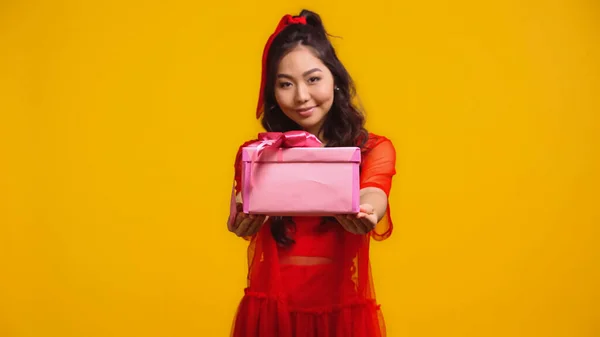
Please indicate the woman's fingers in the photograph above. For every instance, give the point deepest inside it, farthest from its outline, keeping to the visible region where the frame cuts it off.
(360, 225)
(356, 224)
(347, 222)
(236, 223)
(256, 224)
(248, 224)
(342, 221)
(367, 208)
(239, 216)
(366, 224)
(243, 226)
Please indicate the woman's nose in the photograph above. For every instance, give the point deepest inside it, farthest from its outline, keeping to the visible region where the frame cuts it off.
(302, 94)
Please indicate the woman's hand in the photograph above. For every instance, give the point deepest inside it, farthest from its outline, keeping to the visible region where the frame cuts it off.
(360, 223)
(247, 224)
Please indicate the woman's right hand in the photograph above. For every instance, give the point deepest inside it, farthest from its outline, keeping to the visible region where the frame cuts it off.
(247, 224)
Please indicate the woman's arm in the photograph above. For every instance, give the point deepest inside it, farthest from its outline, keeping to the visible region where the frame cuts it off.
(376, 198)
(378, 168)
(373, 205)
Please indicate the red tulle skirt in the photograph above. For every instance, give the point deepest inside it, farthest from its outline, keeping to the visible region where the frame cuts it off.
(313, 303)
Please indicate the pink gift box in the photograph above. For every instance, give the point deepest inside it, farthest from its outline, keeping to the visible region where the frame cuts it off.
(311, 181)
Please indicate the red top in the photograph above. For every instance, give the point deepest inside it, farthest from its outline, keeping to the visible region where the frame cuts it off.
(321, 285)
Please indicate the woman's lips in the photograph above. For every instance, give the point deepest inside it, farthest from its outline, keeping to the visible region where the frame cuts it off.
(306, 112)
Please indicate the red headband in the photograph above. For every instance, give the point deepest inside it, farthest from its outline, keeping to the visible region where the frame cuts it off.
(284, 22)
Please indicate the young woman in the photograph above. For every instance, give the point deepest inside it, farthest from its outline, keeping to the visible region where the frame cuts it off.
(310, 276)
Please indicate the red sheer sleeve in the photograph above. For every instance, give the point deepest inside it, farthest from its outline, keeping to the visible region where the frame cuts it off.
(238, 171)
(238, 167)
(377, 170)
(237, 184)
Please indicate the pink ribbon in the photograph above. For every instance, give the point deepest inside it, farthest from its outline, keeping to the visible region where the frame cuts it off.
(284, 139)
(269, 140)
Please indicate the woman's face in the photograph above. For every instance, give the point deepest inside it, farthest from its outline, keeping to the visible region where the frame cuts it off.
(304, 88)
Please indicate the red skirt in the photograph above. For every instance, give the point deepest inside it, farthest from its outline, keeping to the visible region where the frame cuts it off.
(314, 302)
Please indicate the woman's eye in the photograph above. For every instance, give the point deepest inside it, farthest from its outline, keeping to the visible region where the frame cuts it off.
(284, 84)
(314, 79)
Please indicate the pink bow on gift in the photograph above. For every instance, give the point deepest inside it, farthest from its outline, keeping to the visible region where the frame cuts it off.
(294, 138)
(274, 140)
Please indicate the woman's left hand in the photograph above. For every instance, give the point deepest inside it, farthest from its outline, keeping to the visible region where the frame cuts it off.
(360, 223)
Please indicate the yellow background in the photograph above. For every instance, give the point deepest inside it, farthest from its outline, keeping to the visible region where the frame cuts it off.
(120, 120)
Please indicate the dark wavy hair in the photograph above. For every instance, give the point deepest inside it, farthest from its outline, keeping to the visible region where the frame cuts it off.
(344, 123)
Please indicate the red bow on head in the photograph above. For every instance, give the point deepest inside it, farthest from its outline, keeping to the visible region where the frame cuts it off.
(285, 21)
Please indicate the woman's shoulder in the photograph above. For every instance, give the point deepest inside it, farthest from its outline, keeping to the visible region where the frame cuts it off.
(248, 142)
(238, 155)
(376, 140)
(378, 137)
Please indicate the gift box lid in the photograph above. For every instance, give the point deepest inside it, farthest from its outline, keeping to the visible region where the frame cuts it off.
(304, 154)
